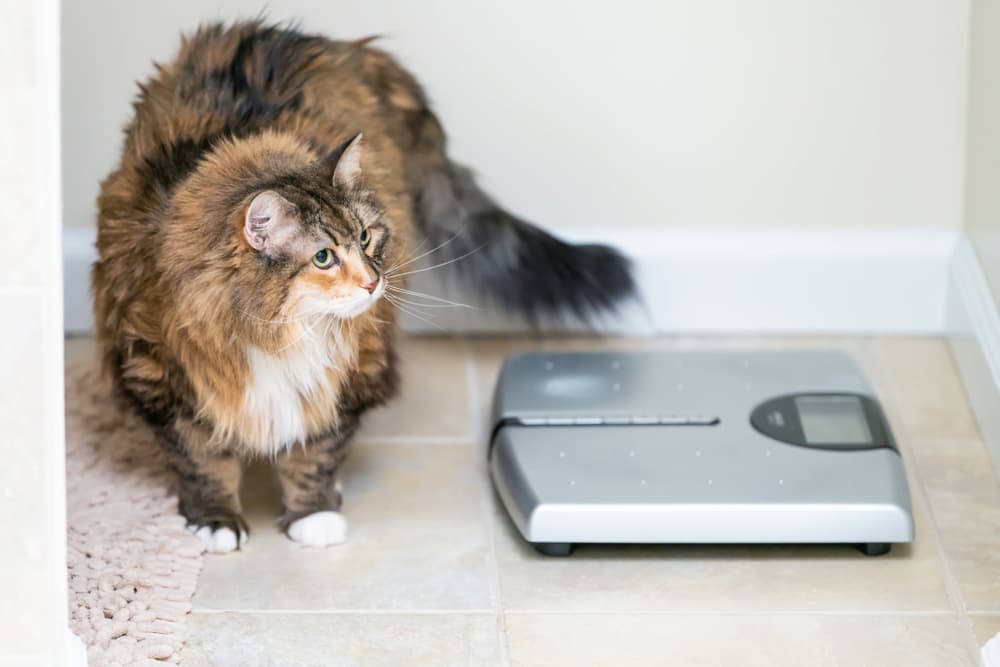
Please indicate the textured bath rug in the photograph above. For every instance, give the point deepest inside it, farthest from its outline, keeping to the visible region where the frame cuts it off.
(132, 564)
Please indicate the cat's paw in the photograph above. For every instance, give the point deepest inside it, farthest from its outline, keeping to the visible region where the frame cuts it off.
(220, 533)
(319, 529)
(219, 540)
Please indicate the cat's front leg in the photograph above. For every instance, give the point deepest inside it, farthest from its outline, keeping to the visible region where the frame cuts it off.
(208, 487)
(310, 491)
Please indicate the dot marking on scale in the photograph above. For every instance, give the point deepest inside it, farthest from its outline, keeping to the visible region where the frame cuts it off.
(549, 365)
(616, 387)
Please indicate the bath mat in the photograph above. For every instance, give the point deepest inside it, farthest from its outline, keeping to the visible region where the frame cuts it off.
(132, 564)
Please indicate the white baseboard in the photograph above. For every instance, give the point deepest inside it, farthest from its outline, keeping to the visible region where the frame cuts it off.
(759, 280)
(974, 333)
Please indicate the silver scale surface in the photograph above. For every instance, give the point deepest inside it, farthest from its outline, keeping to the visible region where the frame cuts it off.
(636, 447)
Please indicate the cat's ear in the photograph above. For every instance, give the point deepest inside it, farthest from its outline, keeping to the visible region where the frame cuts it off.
(270, 222)
(347, 172)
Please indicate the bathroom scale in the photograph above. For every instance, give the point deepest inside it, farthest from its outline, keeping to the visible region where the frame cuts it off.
(695, 447)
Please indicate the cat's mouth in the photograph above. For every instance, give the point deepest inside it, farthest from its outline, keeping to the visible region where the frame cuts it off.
(358, 304)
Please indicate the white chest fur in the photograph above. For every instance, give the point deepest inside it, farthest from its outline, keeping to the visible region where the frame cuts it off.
(282, 383)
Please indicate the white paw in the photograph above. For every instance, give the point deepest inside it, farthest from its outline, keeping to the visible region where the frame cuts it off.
(219, 541)
(320, 529)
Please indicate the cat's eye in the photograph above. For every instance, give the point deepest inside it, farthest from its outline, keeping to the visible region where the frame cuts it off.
(366, 237)
(324, 259)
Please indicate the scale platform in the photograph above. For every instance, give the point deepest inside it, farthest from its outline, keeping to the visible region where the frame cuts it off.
(696, 447)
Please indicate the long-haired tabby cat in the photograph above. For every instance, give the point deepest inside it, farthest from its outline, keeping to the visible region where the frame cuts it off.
(271, 187)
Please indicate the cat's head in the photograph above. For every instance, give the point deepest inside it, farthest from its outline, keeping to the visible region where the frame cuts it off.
(269, 233)
(324, 232)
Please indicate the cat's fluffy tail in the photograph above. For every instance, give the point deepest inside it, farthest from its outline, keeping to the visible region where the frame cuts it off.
(514, 263)
(517, 265)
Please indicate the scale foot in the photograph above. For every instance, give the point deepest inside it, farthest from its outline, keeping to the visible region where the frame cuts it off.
(553, 548)
(874, 548)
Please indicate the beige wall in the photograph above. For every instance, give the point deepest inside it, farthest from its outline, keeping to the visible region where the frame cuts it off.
(709, 113)
(982, 205)
(33, 615)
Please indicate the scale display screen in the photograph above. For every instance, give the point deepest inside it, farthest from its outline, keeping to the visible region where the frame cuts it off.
(828, 420)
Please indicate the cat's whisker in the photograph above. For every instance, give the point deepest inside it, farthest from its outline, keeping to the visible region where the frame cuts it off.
(414, 304)
(413, 314)
(395, 300)
(418, 304)
(379, 320)
(344, 333)
(436, 266)
(307, 331)
(423, 319)
(275, 321)
(451, 238)
(424, 295)
(329, 326)
(293, 343)
(398, 262)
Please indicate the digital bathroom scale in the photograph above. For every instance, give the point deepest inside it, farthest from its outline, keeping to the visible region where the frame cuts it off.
(695, 447)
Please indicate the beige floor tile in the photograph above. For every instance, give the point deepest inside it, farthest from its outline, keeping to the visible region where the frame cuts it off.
(721, 578)
(417, 540)
(775, 640)
(341, 640)
(986, 628)
(433, 399)
(928, 393)
(965, 498)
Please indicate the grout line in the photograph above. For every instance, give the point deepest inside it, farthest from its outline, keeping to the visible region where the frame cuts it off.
(478, 430)
(888, 613)
(950, 580)
(352, 612)
(479, 433)
(415, 440)
(472, 393)
(730, 612)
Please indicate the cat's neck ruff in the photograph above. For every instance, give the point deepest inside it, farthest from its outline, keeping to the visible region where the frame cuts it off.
(286, 389)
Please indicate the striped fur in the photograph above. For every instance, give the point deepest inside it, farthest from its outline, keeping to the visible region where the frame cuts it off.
(243, 161)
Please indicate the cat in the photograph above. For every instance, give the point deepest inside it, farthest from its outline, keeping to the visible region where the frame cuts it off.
(273, 188)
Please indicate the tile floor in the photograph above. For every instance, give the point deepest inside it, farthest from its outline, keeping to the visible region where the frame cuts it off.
(434, 574)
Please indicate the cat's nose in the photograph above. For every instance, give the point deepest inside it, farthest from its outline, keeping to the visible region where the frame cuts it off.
(371, 286)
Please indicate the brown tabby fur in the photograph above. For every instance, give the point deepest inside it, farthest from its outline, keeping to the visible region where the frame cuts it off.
(176, 294)
(243, 160)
